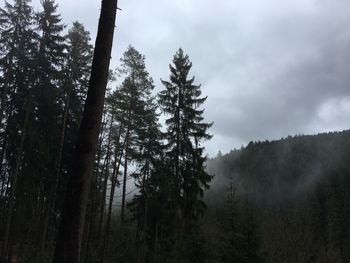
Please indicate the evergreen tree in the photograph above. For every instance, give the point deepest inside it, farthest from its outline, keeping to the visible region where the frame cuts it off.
(240, 238)
(181, 101)
(18, 47)
(72, 93)
(77, 68)
(231, 238)
(131, 104)
(74, 85)
(250, 243)
(137, 132)
(48, 76)
(51, 57)
(144, 204)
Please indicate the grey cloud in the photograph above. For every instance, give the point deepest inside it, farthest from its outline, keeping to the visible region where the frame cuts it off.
(270, 68)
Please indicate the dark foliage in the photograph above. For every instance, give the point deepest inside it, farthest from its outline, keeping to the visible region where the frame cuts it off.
(299, 189)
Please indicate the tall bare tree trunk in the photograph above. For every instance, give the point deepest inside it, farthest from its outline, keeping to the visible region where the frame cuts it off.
(125, 177)
(57, 170)
(105, 182)
(91, 216)
(70, 234)
(60, 150)
(112, 191)
(14, 180)
(2, 116)
(3, 176)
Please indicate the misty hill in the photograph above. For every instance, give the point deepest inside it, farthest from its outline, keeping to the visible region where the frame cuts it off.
(287, 168)
(300, 189)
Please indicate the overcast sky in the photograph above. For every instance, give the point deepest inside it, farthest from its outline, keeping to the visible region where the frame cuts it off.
(270, 68)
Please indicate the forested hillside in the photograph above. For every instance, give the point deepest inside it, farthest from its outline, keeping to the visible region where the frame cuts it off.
(104, 164)
(298, 191)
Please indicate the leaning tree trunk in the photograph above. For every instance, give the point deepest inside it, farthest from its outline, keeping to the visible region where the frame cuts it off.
(73, 216)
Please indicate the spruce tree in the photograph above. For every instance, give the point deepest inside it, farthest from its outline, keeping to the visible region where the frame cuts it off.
(77, 68)
(18, 47)
(50, 62)
(186, 130)
(72, 93)
(49, 74)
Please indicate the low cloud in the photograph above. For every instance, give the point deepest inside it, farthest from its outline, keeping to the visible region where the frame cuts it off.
(270, 68)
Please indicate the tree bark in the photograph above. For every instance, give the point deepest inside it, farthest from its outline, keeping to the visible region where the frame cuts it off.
(60, 151)
(105, 182)
(14, 181)
(2, 116)
(111, 196)
(70, 234)
(57, 170)
(122, 214)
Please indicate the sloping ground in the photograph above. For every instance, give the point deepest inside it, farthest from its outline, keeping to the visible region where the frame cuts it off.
(300, 188)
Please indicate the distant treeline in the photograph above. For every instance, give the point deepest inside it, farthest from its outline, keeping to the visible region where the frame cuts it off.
(299, 190)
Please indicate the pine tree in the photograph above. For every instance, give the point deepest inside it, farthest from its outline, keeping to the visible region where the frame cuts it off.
(131, 101)
(143, 206)
(133, 109)
(181, 101)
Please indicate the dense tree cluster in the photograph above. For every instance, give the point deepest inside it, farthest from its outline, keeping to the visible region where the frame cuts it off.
(43, 78)
(145, 201)
(280, 201)
(297, 191)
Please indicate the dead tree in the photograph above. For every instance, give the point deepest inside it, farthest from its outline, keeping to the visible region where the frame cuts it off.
(68, 243)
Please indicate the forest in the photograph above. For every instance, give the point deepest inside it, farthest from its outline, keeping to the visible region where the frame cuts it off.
(281, 201)
(100, 165)
(44, 82)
